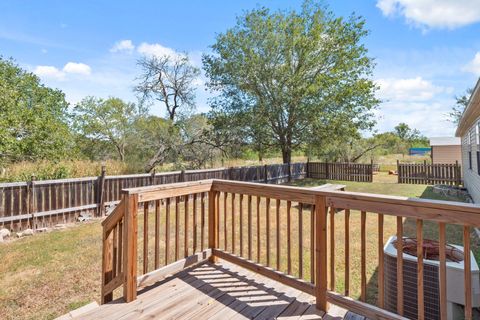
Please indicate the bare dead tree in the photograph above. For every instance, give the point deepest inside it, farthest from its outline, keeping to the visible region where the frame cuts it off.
(169, 80)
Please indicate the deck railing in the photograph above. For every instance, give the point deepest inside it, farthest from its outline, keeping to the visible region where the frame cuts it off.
(289, 234)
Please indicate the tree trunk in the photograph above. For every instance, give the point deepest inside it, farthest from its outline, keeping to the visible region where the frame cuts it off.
(286, 154)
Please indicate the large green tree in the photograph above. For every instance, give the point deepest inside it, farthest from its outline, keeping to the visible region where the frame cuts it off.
(298, 76)
(105, 123)
(34, 118)
(461, 103)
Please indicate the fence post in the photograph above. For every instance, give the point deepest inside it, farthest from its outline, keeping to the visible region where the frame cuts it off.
(230, 173)
(371, 170)
(398, 171)
(289, 172)
(182, 176)
(212, 225)
(321, 253)
(101, 192)
(266, 173)
(425, 172)
(306, 168)
(130, 247)
(31, 200)
(152, 176)
(327, 171)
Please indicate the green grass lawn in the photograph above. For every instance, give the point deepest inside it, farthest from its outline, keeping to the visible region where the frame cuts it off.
(49, 274)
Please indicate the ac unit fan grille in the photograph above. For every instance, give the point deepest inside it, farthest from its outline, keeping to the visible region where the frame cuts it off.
(410, 304)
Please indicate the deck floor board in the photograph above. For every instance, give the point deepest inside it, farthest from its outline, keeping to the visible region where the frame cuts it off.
(214, 291)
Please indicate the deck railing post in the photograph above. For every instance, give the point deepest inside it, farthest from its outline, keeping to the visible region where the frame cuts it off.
(321, 253)
(130, 247)
(212, 224)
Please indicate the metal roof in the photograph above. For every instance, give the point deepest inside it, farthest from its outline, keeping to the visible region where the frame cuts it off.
(445, 141)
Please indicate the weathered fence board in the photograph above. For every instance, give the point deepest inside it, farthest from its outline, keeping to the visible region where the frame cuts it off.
(340, 171)
(37, 204)
(423, 173)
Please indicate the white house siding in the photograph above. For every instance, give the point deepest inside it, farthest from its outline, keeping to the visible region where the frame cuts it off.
(470, 176)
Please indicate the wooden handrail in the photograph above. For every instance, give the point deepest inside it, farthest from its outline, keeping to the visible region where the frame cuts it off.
(321, 202)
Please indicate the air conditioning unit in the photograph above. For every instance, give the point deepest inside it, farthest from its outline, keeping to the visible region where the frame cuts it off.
(455, 282)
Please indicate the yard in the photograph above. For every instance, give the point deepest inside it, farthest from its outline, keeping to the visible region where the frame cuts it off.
(49, 274)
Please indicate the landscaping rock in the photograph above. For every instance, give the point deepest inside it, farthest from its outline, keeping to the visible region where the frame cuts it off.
(1, 238)
(5, 233)
(60, 226)
(28, 232)
(19, 234)
(43, 229)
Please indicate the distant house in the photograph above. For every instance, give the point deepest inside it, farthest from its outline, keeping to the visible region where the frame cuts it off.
(468, 131)
(446, 150)
(418, 151)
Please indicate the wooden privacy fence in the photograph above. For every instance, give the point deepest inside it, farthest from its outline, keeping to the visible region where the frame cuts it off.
(38, 204)
(340, 171)
(423, 173)
(307, 239)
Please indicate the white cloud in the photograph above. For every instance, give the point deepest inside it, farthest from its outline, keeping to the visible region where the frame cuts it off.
(77, 68)
(474, 65)
(53, 73)
(123, 46)
(49, 72)
(449, 14)
(156, 49)
(410, 89)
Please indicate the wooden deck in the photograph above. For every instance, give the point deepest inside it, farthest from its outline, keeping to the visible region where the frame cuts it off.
(215, 291)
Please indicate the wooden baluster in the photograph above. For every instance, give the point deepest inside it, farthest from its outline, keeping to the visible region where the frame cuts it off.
(258, 229)
(186, 235)
(241, 224)
(225, 233)
(157, 234)
(177, 229)
(363, 272)
(467, 273)
(400, 266)
(114, 251)
(233, 222)
(202, 222)
(380, 262)
(442, 274)
(278, 232)
(332, 248)
(145, 237)
(300, 240)
(107, 265)
(249, 227)
(212, 223)
(167, 230)
(195, 226)
(321, 253)
(120, 247)
(312, 244)
(289, 237)
(347, 252)
(267, 213)
(217, 218)
(420, 296)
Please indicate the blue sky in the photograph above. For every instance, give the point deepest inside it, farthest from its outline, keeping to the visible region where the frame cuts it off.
(426, 51)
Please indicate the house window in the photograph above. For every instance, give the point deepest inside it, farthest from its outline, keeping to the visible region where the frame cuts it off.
(477, 133)
(470, 160)
(478, 162)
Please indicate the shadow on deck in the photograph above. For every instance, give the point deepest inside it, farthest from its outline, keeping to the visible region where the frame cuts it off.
(215, 291)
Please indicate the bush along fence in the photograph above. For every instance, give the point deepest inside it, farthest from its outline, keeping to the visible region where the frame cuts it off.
(340, 171)
(40, 204)
(423, 173)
